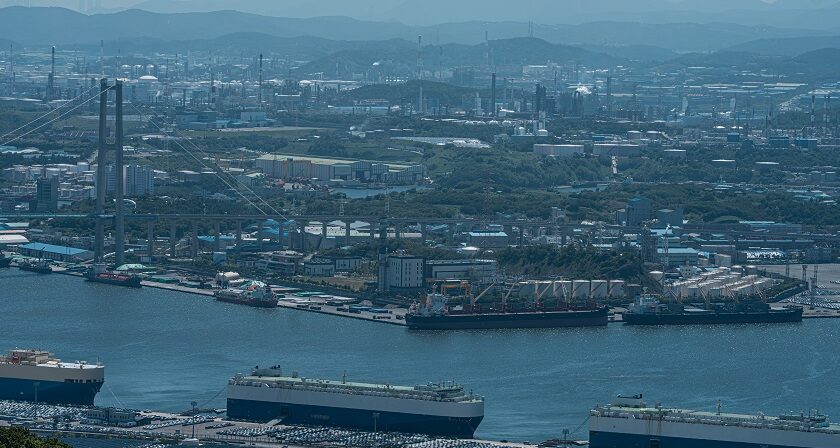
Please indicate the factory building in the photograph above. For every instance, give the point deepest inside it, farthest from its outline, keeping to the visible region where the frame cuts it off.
(559, 150)
(401, 273)
(58, 253)
(299, 167)
(477, 271)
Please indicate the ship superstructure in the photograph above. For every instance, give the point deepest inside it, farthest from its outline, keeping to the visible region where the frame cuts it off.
(252, 293)
(37, 375)
(629, 422)
(439, 409)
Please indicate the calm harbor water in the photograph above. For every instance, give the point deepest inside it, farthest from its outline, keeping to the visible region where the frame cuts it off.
(163, 350)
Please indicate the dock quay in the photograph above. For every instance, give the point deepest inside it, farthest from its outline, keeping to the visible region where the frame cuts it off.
(73, 425)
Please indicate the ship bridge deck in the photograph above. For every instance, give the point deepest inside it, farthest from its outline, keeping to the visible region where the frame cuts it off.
(435, 392)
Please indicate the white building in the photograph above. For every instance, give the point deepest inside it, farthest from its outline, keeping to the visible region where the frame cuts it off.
(401, 272)
(559, 150)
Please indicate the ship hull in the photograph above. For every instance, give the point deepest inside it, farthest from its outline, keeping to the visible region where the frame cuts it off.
(360, 419)
(255, 304)
(133, 283)
(49, 392)
(549, 319)
(785, 316)
(36, 269)
(610, 440)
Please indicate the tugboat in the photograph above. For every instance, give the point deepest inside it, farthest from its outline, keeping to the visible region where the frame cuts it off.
(648, 310)
(253, 293)
(99, 273)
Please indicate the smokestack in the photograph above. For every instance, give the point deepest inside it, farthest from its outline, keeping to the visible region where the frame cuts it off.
(12, 67)
(419, 57)
(259, 94)
(51, 78)
(493, 95)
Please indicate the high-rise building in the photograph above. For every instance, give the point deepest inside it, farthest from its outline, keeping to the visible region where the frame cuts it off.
(46, 194)
(139, 180)
(638, 211)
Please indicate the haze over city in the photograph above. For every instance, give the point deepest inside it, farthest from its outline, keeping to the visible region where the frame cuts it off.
(419, 223)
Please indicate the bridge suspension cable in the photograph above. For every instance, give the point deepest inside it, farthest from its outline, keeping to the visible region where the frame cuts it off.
(49, 122)
(216, 172)
(50, 112)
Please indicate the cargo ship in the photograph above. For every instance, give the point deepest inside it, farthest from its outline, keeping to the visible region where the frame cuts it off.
(436, 314)
(253, 293)
(442, 409)
(99, 274)
(629, 422)
(648, 310)
(37, 375)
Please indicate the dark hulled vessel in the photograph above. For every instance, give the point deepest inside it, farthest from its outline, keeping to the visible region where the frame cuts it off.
(36, 375)
(647, 310)
(99, 274)
(435, 314)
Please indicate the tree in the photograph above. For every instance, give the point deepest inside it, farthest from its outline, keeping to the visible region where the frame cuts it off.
(17, 437)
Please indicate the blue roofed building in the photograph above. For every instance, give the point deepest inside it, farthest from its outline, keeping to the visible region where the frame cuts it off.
(57, 253)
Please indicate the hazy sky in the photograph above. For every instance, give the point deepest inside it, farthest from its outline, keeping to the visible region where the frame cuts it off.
(438, 11)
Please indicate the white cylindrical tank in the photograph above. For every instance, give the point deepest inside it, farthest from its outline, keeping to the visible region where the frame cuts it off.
(657, 276)
(617, 289)
(564, 289)
(526, 290)
(599, 289)
(580, 289)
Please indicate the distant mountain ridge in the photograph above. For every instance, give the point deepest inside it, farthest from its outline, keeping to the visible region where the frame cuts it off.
(427, 12)
(59, 26)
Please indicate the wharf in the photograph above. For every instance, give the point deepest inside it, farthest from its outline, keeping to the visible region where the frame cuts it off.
(70, 425)
(395, 316)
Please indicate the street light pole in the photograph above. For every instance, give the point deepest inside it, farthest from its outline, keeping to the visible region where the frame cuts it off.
(194, 404)
(36, 384)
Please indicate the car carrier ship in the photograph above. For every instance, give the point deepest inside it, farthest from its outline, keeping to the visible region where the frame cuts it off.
(648, 310)
(630, 423)
(444, 409)
(436, 314)
(37, 375)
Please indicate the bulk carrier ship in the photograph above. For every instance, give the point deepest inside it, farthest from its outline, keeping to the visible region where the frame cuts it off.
(629, 423)
(36, 375)
(436, 314)
(648, 310)
(435, 409)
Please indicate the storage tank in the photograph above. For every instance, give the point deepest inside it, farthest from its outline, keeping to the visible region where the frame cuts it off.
(617, 289)
(526, 290)
(545, 290)
(693, 292)
(580, 289)
(657, 276)
(599, 289)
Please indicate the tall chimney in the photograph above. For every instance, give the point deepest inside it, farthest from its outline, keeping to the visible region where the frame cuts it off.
(493, 95)
(260, 92)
